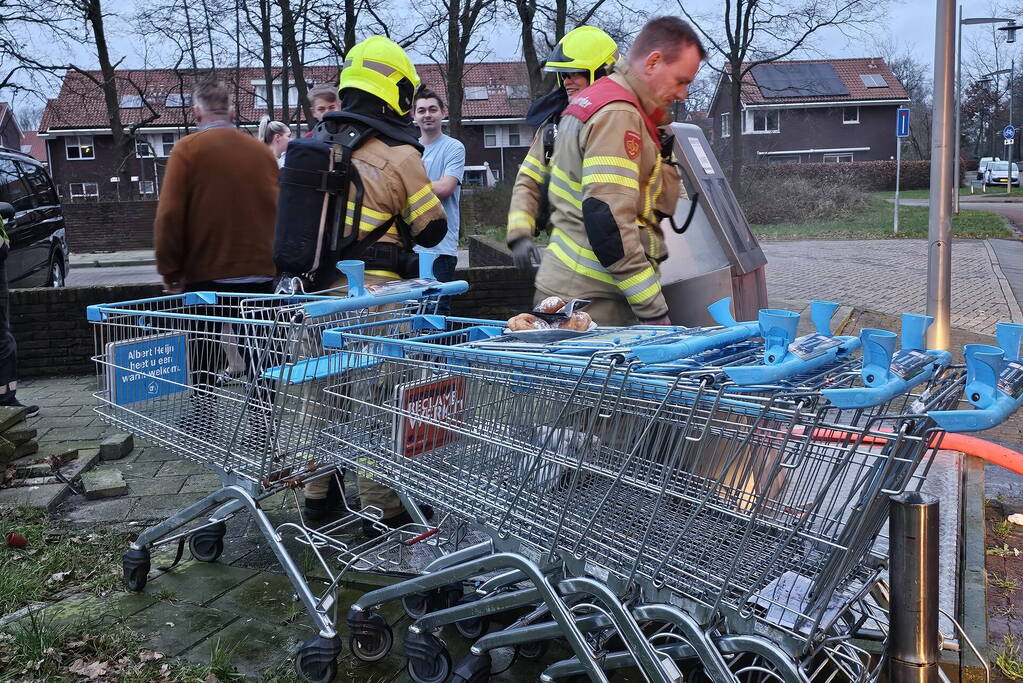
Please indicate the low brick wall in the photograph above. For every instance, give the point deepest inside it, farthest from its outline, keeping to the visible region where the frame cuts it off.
(54, 338)
(109, 226)
(485, 251)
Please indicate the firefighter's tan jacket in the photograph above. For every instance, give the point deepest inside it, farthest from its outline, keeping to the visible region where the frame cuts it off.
(607, 183)
(529, 183)
(396, 184)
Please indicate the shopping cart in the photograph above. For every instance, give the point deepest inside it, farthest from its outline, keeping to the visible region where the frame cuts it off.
(750, 500)
(164, 372)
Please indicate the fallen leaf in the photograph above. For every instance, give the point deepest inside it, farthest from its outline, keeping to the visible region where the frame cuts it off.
(211, 678)
(1016, 519)
(149, 656)
(58, 577)
(92, 670)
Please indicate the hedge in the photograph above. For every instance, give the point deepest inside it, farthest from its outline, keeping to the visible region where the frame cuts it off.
(870, 176)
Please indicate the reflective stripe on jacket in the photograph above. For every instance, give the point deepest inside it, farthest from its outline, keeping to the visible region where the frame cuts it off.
(607, 182)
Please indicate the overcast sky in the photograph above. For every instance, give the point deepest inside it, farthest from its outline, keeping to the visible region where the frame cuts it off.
(910, 25)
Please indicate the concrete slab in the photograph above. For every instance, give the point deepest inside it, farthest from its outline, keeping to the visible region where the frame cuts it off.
(199, 583)
(161, 505)
(20, 435)
(47, 497)
(89, 608)
(266, 597)
(104, 483)
(138, 469)
(80, 511)
(200, 483)
(10, 416)
(255, 647)
(156, 485)
(174, 627)
(179, 467)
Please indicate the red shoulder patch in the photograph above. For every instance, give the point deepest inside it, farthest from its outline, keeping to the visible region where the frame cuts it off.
(633, 143)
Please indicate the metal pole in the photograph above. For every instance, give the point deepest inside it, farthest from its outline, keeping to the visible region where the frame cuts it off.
(898, 173)
(1008, 182)
(959, 105)
(939, 228)
(913, 570)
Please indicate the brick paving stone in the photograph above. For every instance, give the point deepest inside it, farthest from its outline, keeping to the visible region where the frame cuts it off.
(47, 496)
(138, 469)
(79, 511)
(162, 505)
(255, 647)
(89, 608)
(116, 446)
(153, 454)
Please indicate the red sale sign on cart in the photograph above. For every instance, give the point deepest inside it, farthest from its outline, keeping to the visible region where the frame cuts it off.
(425, 407)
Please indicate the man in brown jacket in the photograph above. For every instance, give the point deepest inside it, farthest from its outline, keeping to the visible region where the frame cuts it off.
(214, 226)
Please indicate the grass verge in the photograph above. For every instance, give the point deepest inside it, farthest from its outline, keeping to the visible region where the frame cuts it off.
(55, 560)
(36, 648)
(992, 191)
(875, 222)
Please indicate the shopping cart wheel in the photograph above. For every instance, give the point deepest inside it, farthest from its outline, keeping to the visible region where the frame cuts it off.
(534, 650)
(207, 544)
(316, 660)
(135, 564)
(472, 669)
(416, 605)
(474, 627)
(428, 658)
(371, 636)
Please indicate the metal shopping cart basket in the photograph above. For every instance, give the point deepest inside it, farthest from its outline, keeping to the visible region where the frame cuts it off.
(164, 372)
(771, 534)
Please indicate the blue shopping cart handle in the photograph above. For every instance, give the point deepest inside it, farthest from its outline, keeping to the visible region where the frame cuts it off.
(886, 374)
(334, 305)
(790, 366)
(994, 383)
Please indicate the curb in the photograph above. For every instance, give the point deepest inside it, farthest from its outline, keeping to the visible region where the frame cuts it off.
(1015, 312)
(111, 264)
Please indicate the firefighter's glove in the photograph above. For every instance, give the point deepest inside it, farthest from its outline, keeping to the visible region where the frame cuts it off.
(525, 255)
(663, 320)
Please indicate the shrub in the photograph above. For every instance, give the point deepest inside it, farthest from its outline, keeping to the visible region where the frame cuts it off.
(485, 207)
(794, 199)
(869, 176)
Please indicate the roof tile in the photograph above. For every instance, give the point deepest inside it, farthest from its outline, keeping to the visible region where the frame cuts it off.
(848, 70)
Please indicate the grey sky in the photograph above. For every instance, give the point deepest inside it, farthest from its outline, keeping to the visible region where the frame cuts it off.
(909, 24)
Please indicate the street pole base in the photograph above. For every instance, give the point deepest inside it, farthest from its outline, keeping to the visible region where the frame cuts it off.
(905, 672)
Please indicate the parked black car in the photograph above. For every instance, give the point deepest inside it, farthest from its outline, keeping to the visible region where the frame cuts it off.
(39, 253)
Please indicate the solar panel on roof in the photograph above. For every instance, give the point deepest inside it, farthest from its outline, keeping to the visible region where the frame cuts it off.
(798, 80)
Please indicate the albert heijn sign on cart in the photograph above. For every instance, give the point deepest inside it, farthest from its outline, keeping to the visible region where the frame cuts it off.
(424, 407)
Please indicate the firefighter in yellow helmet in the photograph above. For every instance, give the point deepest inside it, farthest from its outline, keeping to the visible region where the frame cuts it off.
(358, 190)
(612, 180)
(582, 56)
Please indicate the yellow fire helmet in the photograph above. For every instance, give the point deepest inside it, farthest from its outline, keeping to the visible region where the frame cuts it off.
(380, 67)
(585, 49)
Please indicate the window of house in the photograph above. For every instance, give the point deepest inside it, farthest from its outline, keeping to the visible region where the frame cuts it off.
(517, 92)
(278, 94)
(763, 121)
(726, 124)
(147, 187)
(490, 138)
(131, 101)
(837, 158)
(143, 150)
(514, 137)
(83, 190)
(850, 114)
(79, 147)
(476, 92)
(177, 99)
(167, 141)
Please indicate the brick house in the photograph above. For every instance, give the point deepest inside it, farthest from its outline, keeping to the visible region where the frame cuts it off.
(85, 166)
(829, 110)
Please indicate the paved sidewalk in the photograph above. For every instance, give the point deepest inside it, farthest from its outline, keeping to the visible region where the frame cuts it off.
(890, 276)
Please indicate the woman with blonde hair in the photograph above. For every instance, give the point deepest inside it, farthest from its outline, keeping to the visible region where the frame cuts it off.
(275, 135)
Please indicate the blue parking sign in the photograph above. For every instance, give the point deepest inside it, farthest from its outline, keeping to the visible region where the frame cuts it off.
(147, 368)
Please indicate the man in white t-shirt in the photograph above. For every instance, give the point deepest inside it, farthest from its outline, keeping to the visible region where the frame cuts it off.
(444, 159)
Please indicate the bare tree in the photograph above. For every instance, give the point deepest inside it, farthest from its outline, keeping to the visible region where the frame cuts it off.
(749, 33)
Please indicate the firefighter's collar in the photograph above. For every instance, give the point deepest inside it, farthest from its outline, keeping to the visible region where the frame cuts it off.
(644, 95)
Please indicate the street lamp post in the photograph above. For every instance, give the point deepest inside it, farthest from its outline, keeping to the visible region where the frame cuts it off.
(1010, 37)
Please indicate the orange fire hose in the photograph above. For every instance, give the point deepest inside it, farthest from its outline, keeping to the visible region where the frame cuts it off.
(970, 445)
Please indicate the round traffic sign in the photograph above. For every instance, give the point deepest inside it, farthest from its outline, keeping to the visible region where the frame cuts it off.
(1009, 132)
